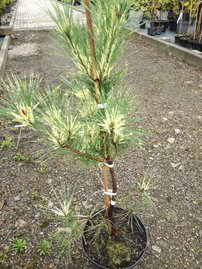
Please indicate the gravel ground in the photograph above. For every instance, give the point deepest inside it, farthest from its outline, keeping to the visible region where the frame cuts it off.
(169, 102)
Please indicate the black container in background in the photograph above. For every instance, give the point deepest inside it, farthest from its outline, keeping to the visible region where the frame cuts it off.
(173, 26)
(152, 31)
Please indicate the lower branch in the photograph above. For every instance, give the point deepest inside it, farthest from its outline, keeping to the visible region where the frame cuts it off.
(81, 154)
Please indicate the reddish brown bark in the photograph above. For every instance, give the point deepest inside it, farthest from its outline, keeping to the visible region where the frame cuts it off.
(93, 51)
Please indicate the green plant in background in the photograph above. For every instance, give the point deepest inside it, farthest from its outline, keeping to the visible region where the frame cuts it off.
(193, 9)
(18, 245)
(190, 7)
(19, 157)
(3, 257)
(2, 8)
(44, 247)
(10, 2)
(6, 143)
(174, 6)
(153, 8)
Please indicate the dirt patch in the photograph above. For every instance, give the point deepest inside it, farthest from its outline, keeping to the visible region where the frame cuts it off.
(23, 50)
(169, 103)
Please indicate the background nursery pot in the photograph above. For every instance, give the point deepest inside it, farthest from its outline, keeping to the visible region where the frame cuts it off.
(99, 246)
(152, 31)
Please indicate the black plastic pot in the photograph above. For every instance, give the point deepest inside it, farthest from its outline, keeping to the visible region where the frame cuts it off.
(173, 26)
(8, 9)
(76, 3)
(162, 24)
(183, 42)
(152, 31)
(159, 30)
(189, 44)
(178, 39)
(143, 232)
(142, 25)
(186, 17)
(197, 46)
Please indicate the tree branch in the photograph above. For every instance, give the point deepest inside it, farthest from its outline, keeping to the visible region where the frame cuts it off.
(81, 154)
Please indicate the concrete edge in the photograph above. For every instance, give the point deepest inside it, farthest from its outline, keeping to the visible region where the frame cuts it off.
(5, 45)
(175, 50)
(4, 55)
(34, 29)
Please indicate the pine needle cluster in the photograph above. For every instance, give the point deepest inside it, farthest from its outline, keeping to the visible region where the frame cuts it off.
(74, 121)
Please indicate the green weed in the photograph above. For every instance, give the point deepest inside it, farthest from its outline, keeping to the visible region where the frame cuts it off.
(43, 170)
(6, 143)
(18, 245)
(19, 157)
(44, 247)
(3, 257)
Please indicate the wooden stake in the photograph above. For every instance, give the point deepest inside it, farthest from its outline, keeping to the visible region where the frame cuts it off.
(107, 199)
(114, 190)
(190, 19)
(195, 26)
(200, 37)
(180, 29)
(199, 22)
(109, 209)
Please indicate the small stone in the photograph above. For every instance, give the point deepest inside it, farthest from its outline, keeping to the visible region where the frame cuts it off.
(174, 165)
(173, 215)
(155, 146)
(77, 209)
(157, 249)
(181, 167)
(169, 198)
(86, 205)
(177, 131)
(167, 146)
(56, 261)
(17, 198)
(162, 243)
(199, 118)
(171, 140)
(37, 215)
(20, 223)
(50, 204)
(189, 82)
(164, 119)
(171, 113)
(200, 232)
